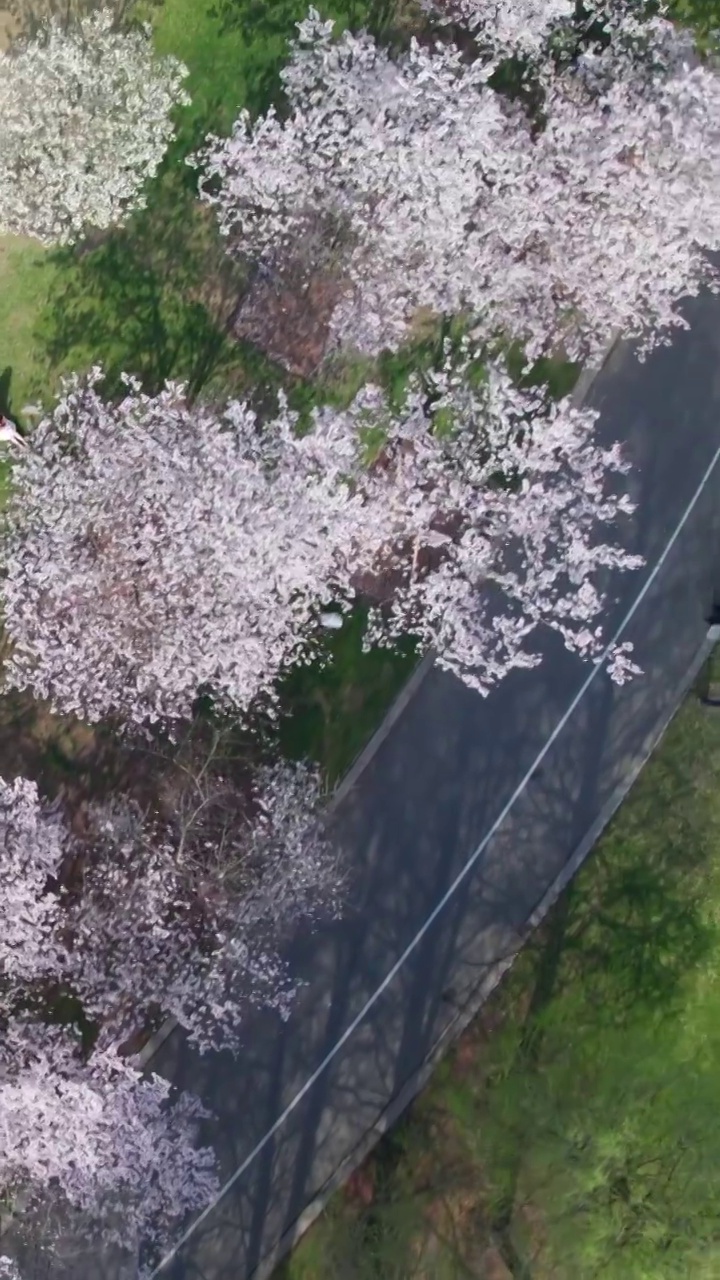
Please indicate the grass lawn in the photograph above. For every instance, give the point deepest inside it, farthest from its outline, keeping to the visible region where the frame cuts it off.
(332, 710)
(217, 61)
(26, 276)
(572, 1133)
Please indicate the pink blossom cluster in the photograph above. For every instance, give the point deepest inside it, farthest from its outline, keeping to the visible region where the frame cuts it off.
(96, 1135)
(493, 496)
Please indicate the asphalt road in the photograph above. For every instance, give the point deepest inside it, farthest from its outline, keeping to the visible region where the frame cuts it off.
(514, 781)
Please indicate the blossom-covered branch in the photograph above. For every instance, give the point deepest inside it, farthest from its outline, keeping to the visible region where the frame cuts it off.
(189, 918)
(413, 185)
(493, 497)
(96, 1136)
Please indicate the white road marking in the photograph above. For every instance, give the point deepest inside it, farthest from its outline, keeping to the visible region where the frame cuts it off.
(460, 877)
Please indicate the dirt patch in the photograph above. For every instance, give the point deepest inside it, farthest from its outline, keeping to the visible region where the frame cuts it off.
(360, 1186)
(288, 317)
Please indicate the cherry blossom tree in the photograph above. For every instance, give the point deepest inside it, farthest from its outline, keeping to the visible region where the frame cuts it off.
(188, 918)
(153, 550)
(86, 119)
(349, 183)
(96, 1137)
(135, 918)
(417, 186)
(79, 1132)
(180, 910)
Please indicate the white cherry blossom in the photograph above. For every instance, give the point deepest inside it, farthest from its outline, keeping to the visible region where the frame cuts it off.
(33, 845)
(493, 499)
(506, 26)
(86, 114)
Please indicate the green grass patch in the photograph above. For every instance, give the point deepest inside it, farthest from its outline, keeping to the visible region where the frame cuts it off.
(235, 49)
(154, 299)
(572, 1134)
(26, 277)
(332, 708)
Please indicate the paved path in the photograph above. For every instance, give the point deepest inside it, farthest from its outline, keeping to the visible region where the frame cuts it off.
(514, 781)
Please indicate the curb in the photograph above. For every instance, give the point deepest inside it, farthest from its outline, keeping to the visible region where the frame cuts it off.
(480, 993)
(582, 387)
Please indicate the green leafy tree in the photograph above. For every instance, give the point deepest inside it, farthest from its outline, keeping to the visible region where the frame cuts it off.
(620, 1151)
